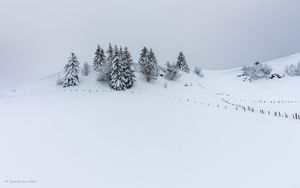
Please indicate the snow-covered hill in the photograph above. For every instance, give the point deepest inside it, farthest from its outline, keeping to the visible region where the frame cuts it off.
(216, 131)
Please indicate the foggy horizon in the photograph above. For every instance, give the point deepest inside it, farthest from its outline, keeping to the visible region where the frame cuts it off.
(37, 37)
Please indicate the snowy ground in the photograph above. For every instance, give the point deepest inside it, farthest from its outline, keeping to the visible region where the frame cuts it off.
(191, 136)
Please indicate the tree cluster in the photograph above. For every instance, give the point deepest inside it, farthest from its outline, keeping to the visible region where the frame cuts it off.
(293, 70)
(256, 71)
(148, 64)
(122, 74)
(115, 66)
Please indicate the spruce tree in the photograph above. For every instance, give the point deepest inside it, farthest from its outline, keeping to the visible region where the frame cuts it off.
(71, 72)
(121, 52)
(86, 69)
(105, 70)
(143, 57)
(116, 53)
(110, 56)
(181, 63)
(148, 64)
(117, 76)
(99, 59)
(129, 71)
(110, 53)
(153, 61)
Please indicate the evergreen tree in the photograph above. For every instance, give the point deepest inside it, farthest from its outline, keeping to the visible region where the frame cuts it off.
(106, 69)
(153, 61)
(148, 64)
(99, 59)
(181, 63)
(129, 70)
(110, 53)
(143, 57)
(86, 69)
(116, 53)
(121, 52)
(117, 76)
(71, 72)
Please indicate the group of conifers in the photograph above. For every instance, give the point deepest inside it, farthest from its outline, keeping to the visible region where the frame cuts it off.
(116, 67)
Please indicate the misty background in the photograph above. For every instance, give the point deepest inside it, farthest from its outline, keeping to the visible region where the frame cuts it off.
(37, 36)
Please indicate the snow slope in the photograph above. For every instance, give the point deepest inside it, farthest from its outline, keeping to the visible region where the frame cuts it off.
(194, 133)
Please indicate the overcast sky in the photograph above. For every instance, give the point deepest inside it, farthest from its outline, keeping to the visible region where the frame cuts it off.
(36, 36)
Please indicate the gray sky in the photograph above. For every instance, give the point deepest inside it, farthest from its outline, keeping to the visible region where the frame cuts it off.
(36, 36)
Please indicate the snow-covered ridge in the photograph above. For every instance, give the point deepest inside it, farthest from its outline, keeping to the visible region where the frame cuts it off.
(292, 59)
(278, 65)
